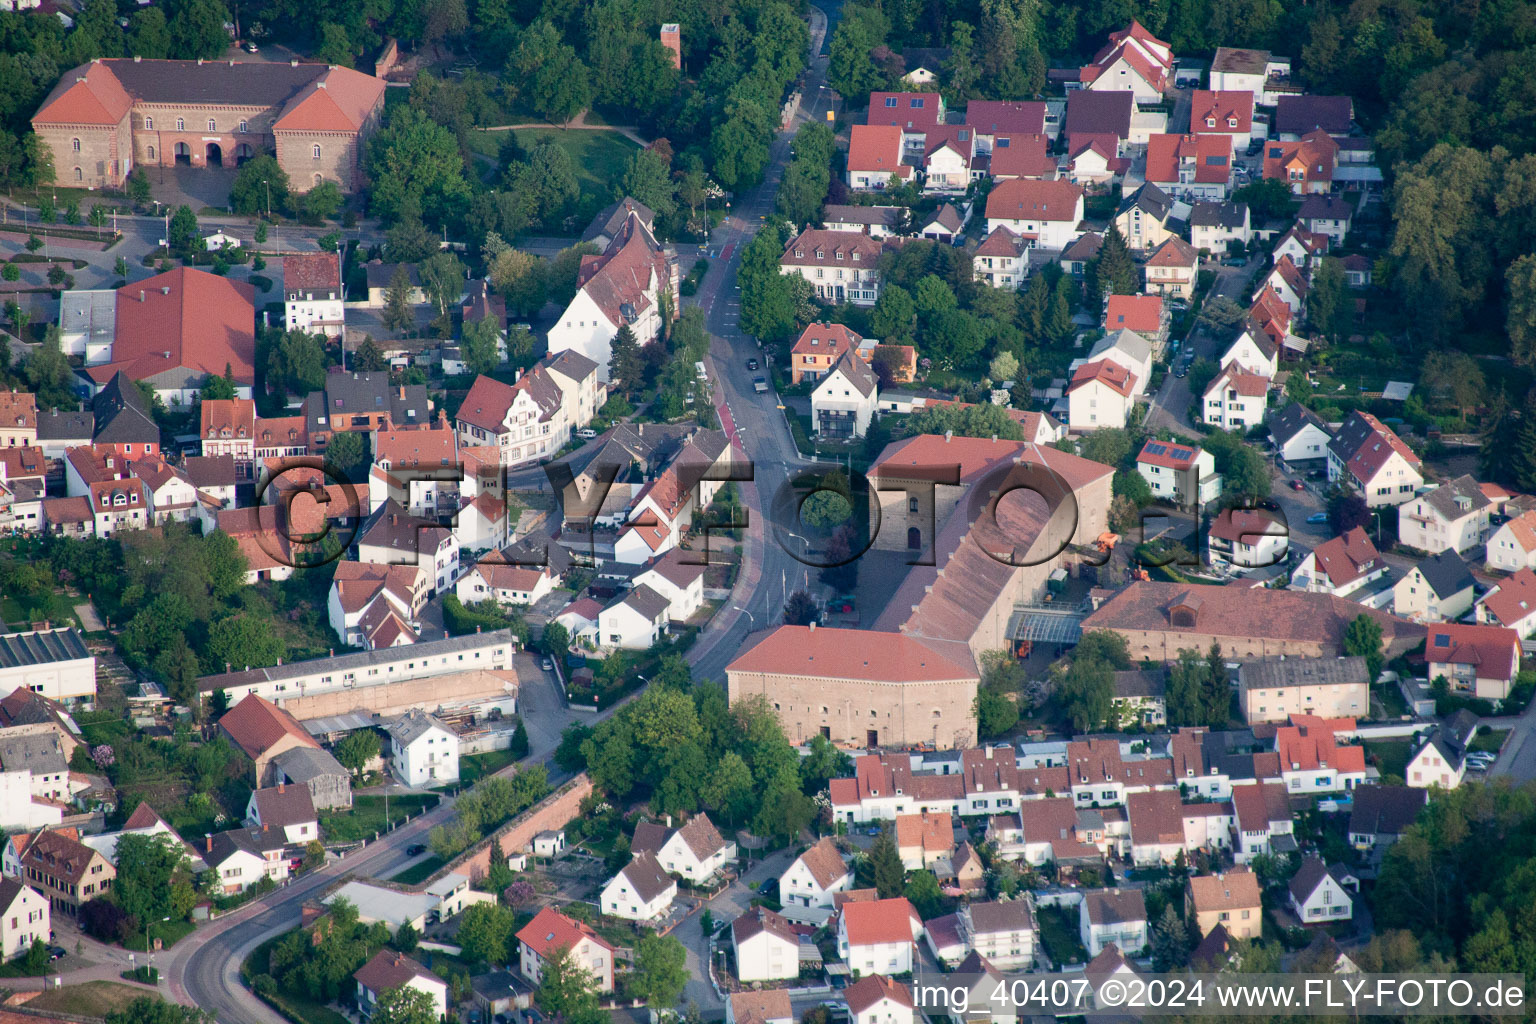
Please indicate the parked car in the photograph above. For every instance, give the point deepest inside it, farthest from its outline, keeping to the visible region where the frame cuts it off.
(415, 850)
(1235, 262)
(586, 433)
(760, 384)
(768, 887)
(251, 48)
(751, 364)
(1298, 485)
(1317, 517)
(56, 952)
(1181, 370)
(549, 666)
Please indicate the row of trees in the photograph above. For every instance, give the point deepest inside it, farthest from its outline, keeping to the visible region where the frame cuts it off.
(489, 803)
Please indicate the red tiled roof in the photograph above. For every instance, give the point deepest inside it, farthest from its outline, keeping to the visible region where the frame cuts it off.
(825, 339)
(1315, 155)
(958, 137)
(1365, 444)
(18, 409)
(551, 930)
(1210, 154)
(1006, 117)
(880, 921)
(1523, 527)
(1175, 252)
(1493, 650)
(830, 653)
(868, 991)
(903, 112)
(1248, 385)
(1168, 454)
(623, 274)
(853, 246)
(1257, 804)
(1514, 599)
(317, 271)
(1002, 243)
(1156, 817)
(232, 418)
(184, 319)
(339, 100)
(89, 94)
(1221, 107)
(1026, 199)
(1140, 313)
(1022, 156)
(876, 148)
(1106, 372)
(389, 969)
(255, 724)
(1345, 559)
(823, 861)
(929, 831)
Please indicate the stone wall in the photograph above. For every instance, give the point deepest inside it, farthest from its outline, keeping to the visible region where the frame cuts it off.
(935, 714)
(396, 698)
(550, 813)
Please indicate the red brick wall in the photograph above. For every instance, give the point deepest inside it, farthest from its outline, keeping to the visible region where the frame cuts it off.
(550, 813)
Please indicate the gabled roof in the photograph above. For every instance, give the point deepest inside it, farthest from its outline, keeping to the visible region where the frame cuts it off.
(1298, 115)
(282, 805)
(1385, 810)
(255, 724)
(389, 969)
(1210, 155)
(1364, 444)
(1258, 805)
(1149, 199)
(1027, 199)
(1321, 207)
(914, 109)
(1169, 454)
(957, 137)
(1447, 573)
(89, 94)
(1002, 243)
(1234, 377)
(1111, 374)
(1346, 558)
(1085, 248)
(1095, 112)
(1006, 117)
(1311, 875)
(879, 922)
(1456, 498)
(312, 271)
(870, 990)
(769, 1006)
(1116, 906)
(1237, 889)
(876, 149)
(121, 415)
(645, 875)
(1513, 600)
(184, 321)
(551, 930)
(1225, 111)
(830, 653)
(825, 339)
(824, 862)
(620, 280)
(857, 372)
(1292, 420)
(1493, 651)
(1140, 313)
(758, 920)
(928, 831)
(612, 217)
(1228, 214)
(1174, 252)
(1156, 817)
(1022, 156)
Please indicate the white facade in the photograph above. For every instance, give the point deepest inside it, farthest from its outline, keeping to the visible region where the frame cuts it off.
(522, 586)
(1096, 404)
(621, 899)
(766, 956)
(1512, 547)
(1431, 767)
(1048, 234)
(430, 758)
(25, 921)
(1230, 407)
(1329, 901)
(622, 625)
(436, 990)
(678, 858)
(799, 890)
(875, 957)
(843, 400)
(586, 329)
(67, 672)
(1246, 352)
(1180, 486)
(1422, 526)
(1130, 936)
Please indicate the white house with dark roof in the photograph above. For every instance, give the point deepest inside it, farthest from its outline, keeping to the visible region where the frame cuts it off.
(52, 662)
(634, 620)
(1435, 763)
(422, 750)
(1340, 565)
(677, 576)
(1213, 227)
(1235, 399)
(844, 401)
(290, 809)
(313, 296)
(389, 970)
(1143, 216)
(1254, 352)
(1298, 433)
(1002, 259)
(1318, 895)
(1452, 517)
(1003, 931)
(1439, 589)
(1326, 215)
(807, 886)
(641, 891)
(876, 999)
(1116, 916)
(1367, 457)
(767, 947)
(631, 283)
(694, 851)
(841, 266)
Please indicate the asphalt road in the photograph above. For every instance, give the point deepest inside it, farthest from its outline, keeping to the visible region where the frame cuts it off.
(1169, 409)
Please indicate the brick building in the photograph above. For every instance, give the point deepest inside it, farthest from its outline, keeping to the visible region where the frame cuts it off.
(109, 116)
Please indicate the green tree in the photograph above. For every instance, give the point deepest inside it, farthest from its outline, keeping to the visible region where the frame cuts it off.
(442, 279)
(196, 29)
(397, 301)
(478, 345)
(648, 179)
(1520, 281)
(626, 363)
(244, 640)
(1170, 941)
(521, 280)
(1114, 272)
(323, 202)
(358, 748)
(295, 365)
(485, 932)
(414, 163)
(1453, 379)
(996, 712)
(1363, 639)
(852, 70)
(405, 1005)
(369, 357)
(148, 34)
(261, 185)
(660, 971)
(183, 231)
(895, 315)
(149, 868)
(548, 75)
(348, 454)
(566, 991)
(923, 893)
(154, 1010)
(1327, 297)
(888, 876)
(47, 368)
(1086, 692)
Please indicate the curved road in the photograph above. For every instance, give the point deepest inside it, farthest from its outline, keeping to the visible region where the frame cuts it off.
(204, 969)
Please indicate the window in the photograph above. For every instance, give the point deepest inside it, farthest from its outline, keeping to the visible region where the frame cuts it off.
(890, 101)
(151, 152)
(181, 124)
(315, 152)
(75, 144)
(149, 124)
(79, 174)
(212, 126)
(917, 103)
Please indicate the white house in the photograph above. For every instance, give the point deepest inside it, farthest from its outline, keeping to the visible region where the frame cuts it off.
(694, 851)
(634, 620)
(24, 918)
(1215, 226)
(1318, 894)
(876, 999)
(313, 296)
(1004, 932)
(1171, 269)
(1478, 660)
(767, 947)
(641, 891)
(1434, 764)
(1438, 589)
(879, 936)
(289, 809)
(550, 931)
(52, 662)
(1513, 546)
(844, 401)
(841, 266)
(1263, 812)
(767, 1006)
(1299, 433)
(1046, 212)
(239, 858)
(1326, 215)
(505, 584)
(1340, 565)
(1246, 539)
(1289, 283)
(1253, 351)
(1129, 349)
(677, 576)
(366, 597)
(1235, 399)
(1452, 517)
(807, 886)
(390, 970)
(1178, 473)
(1002, 260)
(874, 157)
(1112, 915)
(1101, 395)
(1368, 458)
(422, 750)
(631, 283)
(1511, 604)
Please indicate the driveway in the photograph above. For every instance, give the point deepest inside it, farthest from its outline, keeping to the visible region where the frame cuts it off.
(1169, 409)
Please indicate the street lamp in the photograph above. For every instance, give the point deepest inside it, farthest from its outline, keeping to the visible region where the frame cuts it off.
(269, 197)
(748, 614)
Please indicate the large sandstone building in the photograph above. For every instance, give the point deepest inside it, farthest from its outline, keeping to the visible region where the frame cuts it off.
(109, 116)
(985, 523)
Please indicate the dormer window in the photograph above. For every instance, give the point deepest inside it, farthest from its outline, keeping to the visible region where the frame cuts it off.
(839, 256)
(799, 254)
(855, 256)
(1210, 122)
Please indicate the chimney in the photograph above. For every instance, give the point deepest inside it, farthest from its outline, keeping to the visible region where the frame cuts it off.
(208, 842)
(402, 392)
(947, 435)
(141, 294)
(165, 289)
(137, 58)
(813, 627)
(263, 827)
(669, 821)
(199, 62)
(279, 662)
(293, 63)
(228, 667)
(280, 786)
(331, 653)
(445, 634)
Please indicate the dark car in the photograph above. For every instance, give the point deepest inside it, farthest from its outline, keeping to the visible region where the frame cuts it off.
(751, 364)
(415, 850)
(56, 952)
(768, 887)
(1181, 369)
(1297, 485)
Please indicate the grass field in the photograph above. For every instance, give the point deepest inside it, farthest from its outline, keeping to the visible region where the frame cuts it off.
(92, 999)
(1488, 742)
(1058, 930)
(366, 816)
(477, 766)
(1394, 755)
(419, 872)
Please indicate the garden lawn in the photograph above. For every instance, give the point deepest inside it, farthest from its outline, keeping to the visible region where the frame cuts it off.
(1058, 930)
(419, 872)
(474, 767)
(1488, 742)
(366, 815)
(600, 159)
(92, 999)
(168, 932)
(1394, 756)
